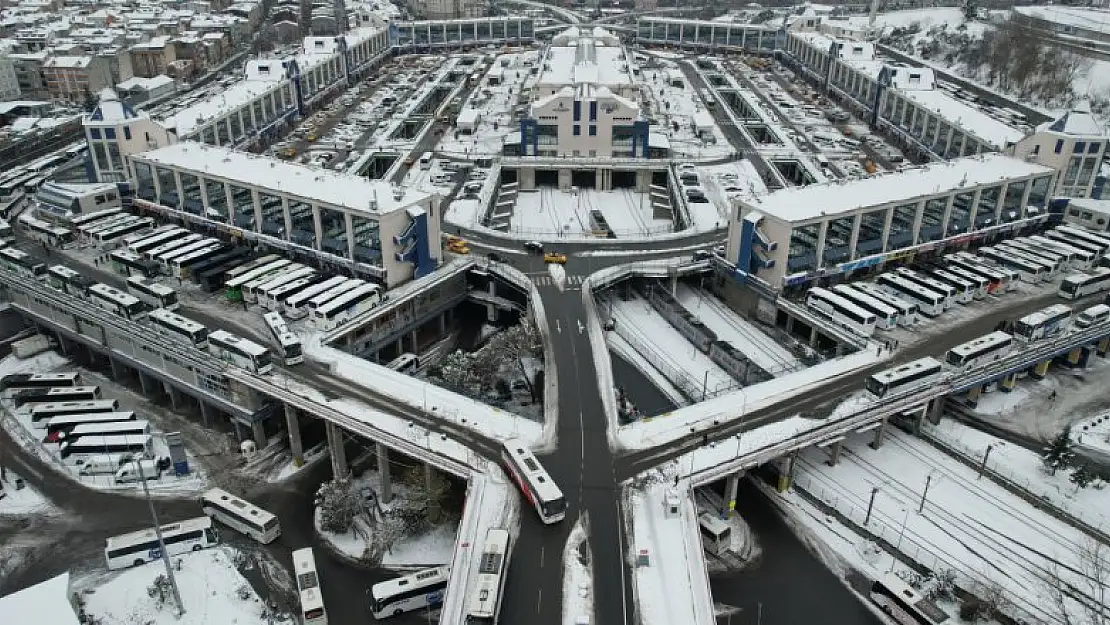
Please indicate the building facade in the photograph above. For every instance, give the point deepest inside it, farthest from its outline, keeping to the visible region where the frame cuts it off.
(9, 81)
(76, 80)
(1075, 146)
(114, 130)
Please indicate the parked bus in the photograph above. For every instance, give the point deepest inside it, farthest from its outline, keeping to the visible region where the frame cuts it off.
(250, 289)
(68, 281)
(896, 598)
(346, 307)
(261, 292)
(405, 363)
(980, 351)
(907, 311)
(129, 241)
(240, 515)
(227, 256)
(920, 373)
(44, 232)
(980, 283)
(111, 236)
(308, 588)
(1044, 323)
(1043, 251)
(132, 427)
(1082, 234)
(82, 219)
(157, 238)
(131, 264)
(39, 380)
(1079, 285)
(180, 267)
(140, 547)
(273, 298)
(21, 262)
(286, 339)
(348, 285)
(180, 327)
(1053, 262)
(966, 290)
(212, 277)
(1095, 247)
(1028, 271)
(87, 230)
(168, 259)
(841, 311)
(1079, 258)
(716, 535)
(66, 422)
(116, 301)
(296, 305)
(951, 293)
(928, 302)
(240, 352)
(55, 394)
(249, 266)
(171, 244)
(153, 294)
(538, 487)
(86, 445)
(1099, 313)
(234, 286)
(484, 603)
(1000, 278)
(886, 317)
(42, 413)
(416, 591)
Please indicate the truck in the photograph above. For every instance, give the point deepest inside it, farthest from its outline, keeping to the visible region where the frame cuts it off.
(105, 464)
(136, 470)
(31, 346)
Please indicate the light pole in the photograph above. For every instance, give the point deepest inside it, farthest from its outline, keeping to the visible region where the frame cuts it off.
(161, 543)
(871, 504)
(987, 454)
(928, 480)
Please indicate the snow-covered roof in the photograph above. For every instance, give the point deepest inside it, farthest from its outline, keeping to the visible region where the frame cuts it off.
(799, 204)
(234, 97)
(1077, 121)
(45, 602)
(68, 62)
(310, 183)
(138, 82)
(586, 62)
(1091, 204)
(967, 117)
(1090, 19)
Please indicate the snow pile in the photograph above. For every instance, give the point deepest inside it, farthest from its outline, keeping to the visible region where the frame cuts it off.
(211, 590)
(558, 275)
(578, 599)
(21, 502)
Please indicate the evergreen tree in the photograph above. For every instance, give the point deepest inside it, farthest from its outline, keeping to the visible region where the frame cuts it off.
(1081, 477)
(1058, 455)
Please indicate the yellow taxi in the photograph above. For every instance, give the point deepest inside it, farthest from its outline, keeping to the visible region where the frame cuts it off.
(555, 257)
(458, 247)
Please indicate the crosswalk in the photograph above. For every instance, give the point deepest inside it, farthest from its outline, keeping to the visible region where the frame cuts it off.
(547, 280)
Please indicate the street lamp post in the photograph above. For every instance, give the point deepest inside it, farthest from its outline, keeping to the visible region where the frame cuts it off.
(871, 504)
(928, 480)
(983, 465)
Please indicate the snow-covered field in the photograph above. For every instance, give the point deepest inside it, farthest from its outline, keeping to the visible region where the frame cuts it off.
(970, 525)
(23, 501)
(551, 212)
(211, 590)
(679, 105)
(1093, 435)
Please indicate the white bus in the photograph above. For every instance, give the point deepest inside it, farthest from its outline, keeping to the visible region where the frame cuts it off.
(97, 427)
(116, 301)
(422, 589)
(346, 307)
(1082, 234)
(425, 160)
(240, 516)
(89, 228)
(58, 427)
(39, 380)
(234, 286)
(1080, 258)
(261, 293)
(1062, 259)
(132, 239)
(538, 487)
(69, 281)
(167, 259)
(180, 327)
(966, 290)
(240, 352)
(980, 283)
(156, 238)
(171, 244)
(180, 265)
(1055, 262)
(272, 299)
(255, 289)
(1094, 315)
(904, 604)
(1095, 247)
(928, 302)
(296, 306)
(112, 235)
(1028, 271)
(140, 547)
(980, 351)
(21, 262)
(1079, 285)
(55, 394)
(154, 294)
(886, 317)
(88, 218)
(841, 311)
(43, 231)
(324, 297)
(86, 445)
(907, 311)
(919, 373)
(484, 604)
(43, 413)
(1000, 278)
(405, 363)
(308, 588)
(950, 293)
(716, 535)
(1044, 323)
(286, 339)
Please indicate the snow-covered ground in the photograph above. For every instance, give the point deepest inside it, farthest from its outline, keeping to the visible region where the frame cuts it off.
(1025, 469)
(578, 587)
(1093, 436)
(672, 105)
(738, 331)
(669, 578)
(212, 591)
(972, 526)
(23, 501)
(494, 104)
(687, 367)
(551, 212)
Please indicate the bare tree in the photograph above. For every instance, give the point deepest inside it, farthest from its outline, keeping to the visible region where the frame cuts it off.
(1081, 598)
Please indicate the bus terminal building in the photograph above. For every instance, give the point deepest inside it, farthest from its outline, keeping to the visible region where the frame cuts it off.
(823, 232)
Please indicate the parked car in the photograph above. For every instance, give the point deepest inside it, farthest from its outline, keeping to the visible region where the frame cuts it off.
(533, 246)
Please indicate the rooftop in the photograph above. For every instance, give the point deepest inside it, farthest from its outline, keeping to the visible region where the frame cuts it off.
(310, 183)
(798, 204)
(588, 62)
(236, 96)
(46, 602)
(1090, 19)
(968, 117)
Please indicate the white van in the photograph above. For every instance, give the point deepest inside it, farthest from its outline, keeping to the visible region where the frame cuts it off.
(105, 464)
(130, 472)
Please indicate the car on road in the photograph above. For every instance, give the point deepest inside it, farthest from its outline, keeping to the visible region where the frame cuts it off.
(533, 246)
(458, 247)
(495, 257)
(557, 258)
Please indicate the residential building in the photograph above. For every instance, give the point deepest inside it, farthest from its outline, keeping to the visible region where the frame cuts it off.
(1074, 145)
(9, 80)
(75, 79)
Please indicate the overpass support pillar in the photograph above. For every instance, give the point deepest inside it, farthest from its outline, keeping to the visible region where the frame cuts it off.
(526, 176)
(1078, 357)
(339, 468)
(383, 473)
(63, 343)
(258, 429)
(785, 469)
(442, 324)
(1103, 346)
(936, 410)
(1040, 369)
(293, 424)
(973, 396)
(117, 369)
(834, 453)
(1008, 383)
(643, 181)
(175, 396)
(732, 484)
(879, 432)
(145, 384)
(415, 344)
(205, 413)
(434, 511)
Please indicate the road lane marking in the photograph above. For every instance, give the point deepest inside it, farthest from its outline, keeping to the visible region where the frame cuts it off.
(27, 467)
(539, 600)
